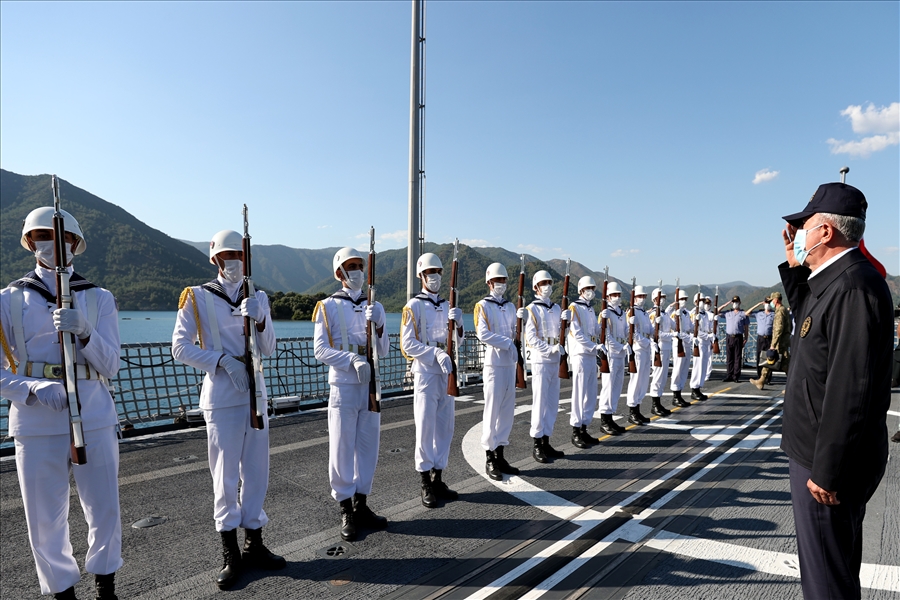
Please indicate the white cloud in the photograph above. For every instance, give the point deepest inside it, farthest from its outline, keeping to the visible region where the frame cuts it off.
(400, 235)
(874, 120)
(884, 122)
(323, 226)
(891, 249)
(765, 175)
(475, 243)
(620, 252)
(532, 248)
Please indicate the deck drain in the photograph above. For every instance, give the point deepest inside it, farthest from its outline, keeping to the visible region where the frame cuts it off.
(149, 522)
(336, 551)
(185, 458)
(341, 580)
(397, 450)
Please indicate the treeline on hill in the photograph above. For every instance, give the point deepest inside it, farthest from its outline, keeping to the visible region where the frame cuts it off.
(293, 306)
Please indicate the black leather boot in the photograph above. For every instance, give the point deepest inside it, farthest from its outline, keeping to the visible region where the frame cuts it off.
(491, 467)
(255, 553)
(577, 440)
(587, 437)
(635, 416)
(429, 500)
(607, 426)
(68, 594)
(550, 450)
(348, 525)
(231, 555)
(658, 409)
(537, 453)
(678, 401)
(105, 586)
(615, 425)
(696, 394)
(363, 515)
(503, 464)
(440, 488)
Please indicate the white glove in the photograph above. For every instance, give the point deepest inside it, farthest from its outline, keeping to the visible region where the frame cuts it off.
(455, 314)
(561, 348)
(51, 394)
(670, 309)
(520, 314)
(250, 307)
(628, 350)
(631, 320)
(685, 336)
(444, 361)
(602, 349)
(72, 321)
(604, 314)
(363, 372)
(237, 371)
(375, 313)
(655, 347)
(695, 341)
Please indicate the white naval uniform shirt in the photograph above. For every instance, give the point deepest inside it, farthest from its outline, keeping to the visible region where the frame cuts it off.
(687, 326)
(218, 391)
(666, 326)
(616, 331)
(327, 340)
(542, 323)
(27, 416)
(703, 330)
(643, 328)
(584, 331)
(495, 325)
(423, 324)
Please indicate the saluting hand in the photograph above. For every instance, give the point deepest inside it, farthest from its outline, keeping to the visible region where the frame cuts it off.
(822, 495)
(787, 234)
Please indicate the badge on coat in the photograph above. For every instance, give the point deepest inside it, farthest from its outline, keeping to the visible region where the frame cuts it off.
(804, 329)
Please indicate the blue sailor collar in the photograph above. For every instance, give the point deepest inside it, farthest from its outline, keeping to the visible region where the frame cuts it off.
(31, 281)
(493, 300)
(215, 288)
(342, 295)
(424, 296)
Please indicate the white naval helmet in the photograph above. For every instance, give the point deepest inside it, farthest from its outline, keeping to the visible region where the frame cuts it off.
(42, 218)
(539, 277)
(342, 256)
(493, 271)
(225, 241)
(429, 260)
(613, 288)
(639, 290)
(586, 282)
(682, 295)
(656, 294)
(698, 297)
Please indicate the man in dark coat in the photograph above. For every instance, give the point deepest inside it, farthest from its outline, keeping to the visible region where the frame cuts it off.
(838, 386)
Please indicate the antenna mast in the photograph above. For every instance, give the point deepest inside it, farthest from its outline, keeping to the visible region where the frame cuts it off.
(416, 148)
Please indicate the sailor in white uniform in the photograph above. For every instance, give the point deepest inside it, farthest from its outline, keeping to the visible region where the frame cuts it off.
(639, 382)
(353, 430)
(31, 379)
(658, 375)
(680, 364)
(617, 351)
(703, 341)
(543, 346)
(583, 343)
(495, 326)
(713, 326)
(213, 315)
(423, 337)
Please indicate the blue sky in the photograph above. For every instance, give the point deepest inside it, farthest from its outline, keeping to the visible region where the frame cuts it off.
(621, 134)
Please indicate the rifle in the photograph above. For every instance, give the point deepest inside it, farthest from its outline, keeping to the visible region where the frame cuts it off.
(252, 359)
(632, 365)
(678, 318)
(696, 351)
(564, 324)
(452, 326)
(657, 360)
(520, 360)
(67, 340)
(604, 360)
(372, 334)
(715, 346)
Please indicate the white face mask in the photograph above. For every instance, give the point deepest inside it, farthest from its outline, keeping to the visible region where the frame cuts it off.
(498, 289)
(736, 305)
(682, 303)
(355, 280)
(706, 306)
(545, 290)
(43, 252)
(639, 301)
(232, 271)
(588, 295)
(614, 302)
(433, 283)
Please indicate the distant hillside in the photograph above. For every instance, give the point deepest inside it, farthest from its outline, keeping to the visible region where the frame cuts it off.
(143, 267)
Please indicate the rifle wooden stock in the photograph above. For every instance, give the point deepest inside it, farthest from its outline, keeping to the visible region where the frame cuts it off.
(452, 380)
(520, 359)
(696, 350)
(604, 360)
(632, 365)
(657, 358)
(715, 344)
(251, 349)
(564, 328)
(66, 339)
(678, 323)
(371, 333)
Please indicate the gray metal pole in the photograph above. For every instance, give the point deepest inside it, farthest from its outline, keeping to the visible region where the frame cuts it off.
(415, 204)
(844, 171)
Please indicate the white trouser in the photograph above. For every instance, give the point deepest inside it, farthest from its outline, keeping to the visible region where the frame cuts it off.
(545, 403)
(611, 384)
(699, 364)
(680, 367)
(639, 382)
(42, 463)
(499, 405)
(238, 455)
(659, 374)
(433, 411)
(709, 358)
(354, 433)
(584, 389)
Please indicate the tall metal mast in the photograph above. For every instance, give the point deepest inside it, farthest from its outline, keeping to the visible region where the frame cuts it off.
(416, 148)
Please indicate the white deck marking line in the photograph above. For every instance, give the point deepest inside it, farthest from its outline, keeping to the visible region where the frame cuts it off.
(894, 413)
(562, 508)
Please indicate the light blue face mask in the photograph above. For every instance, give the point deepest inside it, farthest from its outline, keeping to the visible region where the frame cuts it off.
(800, 251)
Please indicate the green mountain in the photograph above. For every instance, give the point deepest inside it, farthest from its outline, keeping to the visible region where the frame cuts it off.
(143, 267)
